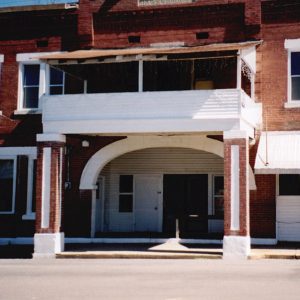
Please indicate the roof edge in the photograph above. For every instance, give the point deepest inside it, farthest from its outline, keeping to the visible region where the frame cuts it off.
(28, 8)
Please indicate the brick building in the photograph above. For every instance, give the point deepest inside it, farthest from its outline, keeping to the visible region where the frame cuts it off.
(149, 119)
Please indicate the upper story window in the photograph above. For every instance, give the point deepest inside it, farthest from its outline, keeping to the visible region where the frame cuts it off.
(293, 48)
(31, 84)
(295, 76)
(37, 78)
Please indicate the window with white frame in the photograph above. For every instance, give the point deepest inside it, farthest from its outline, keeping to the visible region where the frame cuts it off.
(293, 50)
(32, 81)
(7, 185)
(37, 78)
(31, 84)
(12, 160)
(295, 76)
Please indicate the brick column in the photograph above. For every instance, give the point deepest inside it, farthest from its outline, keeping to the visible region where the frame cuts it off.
(236, 243)
(85, 24)
(48, 238)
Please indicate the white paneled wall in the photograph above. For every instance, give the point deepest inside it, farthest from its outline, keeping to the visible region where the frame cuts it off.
(151, 161)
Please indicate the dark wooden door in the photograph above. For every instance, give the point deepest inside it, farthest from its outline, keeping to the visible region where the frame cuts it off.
(186, 198)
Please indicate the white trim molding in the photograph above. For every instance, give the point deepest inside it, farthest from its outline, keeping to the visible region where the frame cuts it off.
(292, 44)
(28, 151)
(235, 134)
(33, 56)
(83, 240)
(51, 137)
(1, 58)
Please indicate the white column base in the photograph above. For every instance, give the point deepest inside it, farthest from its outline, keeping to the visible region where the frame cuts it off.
(46, 245)
(236, 247)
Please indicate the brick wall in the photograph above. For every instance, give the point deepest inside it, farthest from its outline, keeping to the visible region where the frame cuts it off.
(114, 21)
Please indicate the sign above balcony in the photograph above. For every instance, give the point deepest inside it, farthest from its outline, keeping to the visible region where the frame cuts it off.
(94, 54)
(162, 2)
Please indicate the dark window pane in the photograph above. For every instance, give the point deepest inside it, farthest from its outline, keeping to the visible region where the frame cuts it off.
(218, 185)
(31, 74)
(31, 97)
(6, 184)
(113, 78)
(73, 85)
(296, 88)
(56, 76)
(126, 184)
(56, 90)
(295, 63)
(125, 203)
(289, 184)
(167, 75)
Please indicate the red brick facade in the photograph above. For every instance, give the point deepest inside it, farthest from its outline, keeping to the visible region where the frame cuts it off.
(107, 24)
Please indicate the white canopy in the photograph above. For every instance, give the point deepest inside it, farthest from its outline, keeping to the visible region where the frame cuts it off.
(278, 153)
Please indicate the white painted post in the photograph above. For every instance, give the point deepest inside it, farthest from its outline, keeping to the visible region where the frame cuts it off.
(235, 188)
(29, 186)
(85, 86)
(141, 75)
(46, 182)
(239, 72)
(177, 228)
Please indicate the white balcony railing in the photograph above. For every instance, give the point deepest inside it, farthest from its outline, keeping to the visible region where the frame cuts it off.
(150, 112)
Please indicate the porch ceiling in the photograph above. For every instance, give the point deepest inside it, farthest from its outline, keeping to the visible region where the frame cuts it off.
(92, 54)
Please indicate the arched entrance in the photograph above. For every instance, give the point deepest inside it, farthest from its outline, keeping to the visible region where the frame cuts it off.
(124, 211)
(154, 191)
(103, 156)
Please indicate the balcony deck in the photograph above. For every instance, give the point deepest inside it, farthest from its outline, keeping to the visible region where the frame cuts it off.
(151, 112)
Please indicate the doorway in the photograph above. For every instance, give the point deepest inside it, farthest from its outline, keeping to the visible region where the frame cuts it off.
(186, 200)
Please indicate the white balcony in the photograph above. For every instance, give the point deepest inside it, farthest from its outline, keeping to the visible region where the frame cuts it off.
(151, 112)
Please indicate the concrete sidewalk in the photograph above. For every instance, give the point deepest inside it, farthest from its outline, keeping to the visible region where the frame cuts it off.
(172, 250)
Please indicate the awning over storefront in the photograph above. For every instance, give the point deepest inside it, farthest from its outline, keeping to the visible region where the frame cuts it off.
(94, 54)
(278, 153)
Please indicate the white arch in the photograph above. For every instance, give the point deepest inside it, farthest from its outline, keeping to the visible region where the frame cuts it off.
(103, 156)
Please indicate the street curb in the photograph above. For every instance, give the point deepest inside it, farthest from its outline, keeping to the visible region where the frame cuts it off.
(273, 256)
(134, 256)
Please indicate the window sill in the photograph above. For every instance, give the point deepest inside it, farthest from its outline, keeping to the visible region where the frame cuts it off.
(7, 212)
(30, 216)
(292, 104)
(33, 111)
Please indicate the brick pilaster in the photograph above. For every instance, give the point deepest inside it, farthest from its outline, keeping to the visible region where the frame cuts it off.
(56, 187)
(243, 183)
